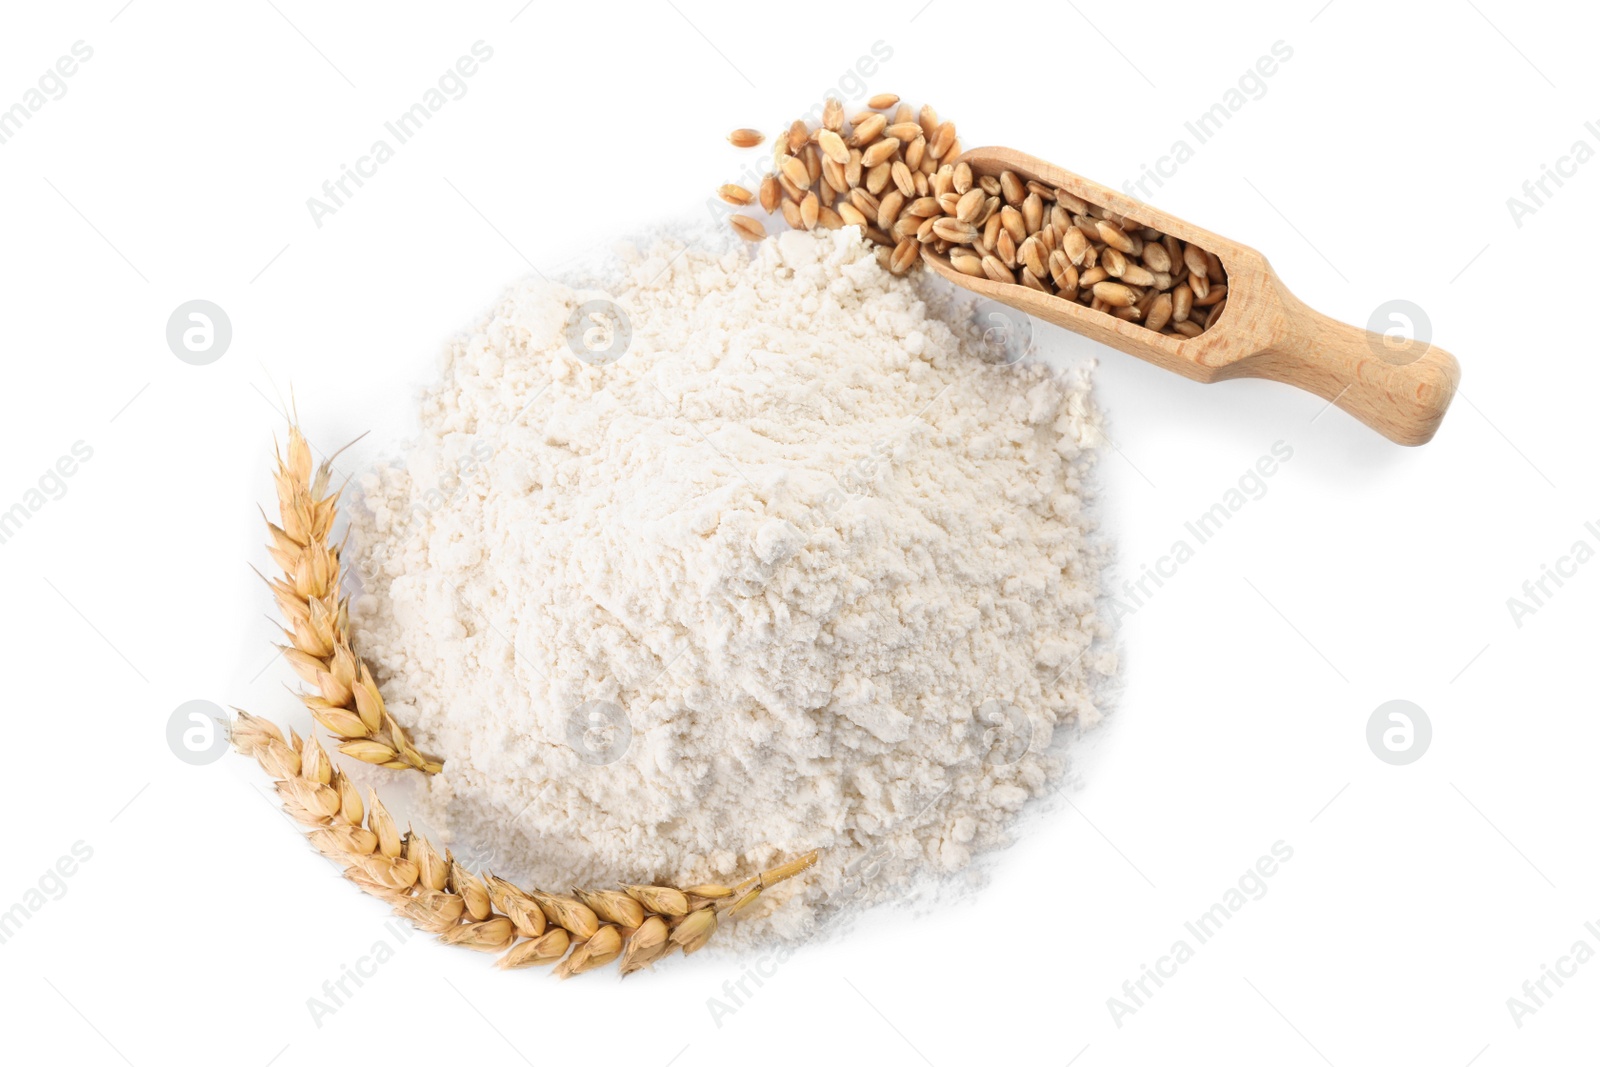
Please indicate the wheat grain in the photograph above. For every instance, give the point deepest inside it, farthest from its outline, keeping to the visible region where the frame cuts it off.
(833, 115)
(904, 256)
(794, 169)
(748, 228)
(880, 152)
(833, 146)
(852, 215)
(1113, 236)
(770, 193)
(745, 138)
(901, 175)
(1011, 222)
(1115, 294)
(1033, 213)
(916, 155)
(868, 127)
(956, 231)
(997, 270)
(809, 209)
(1134, 274)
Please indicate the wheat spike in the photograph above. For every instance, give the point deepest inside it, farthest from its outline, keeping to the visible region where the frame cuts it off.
(345, 698)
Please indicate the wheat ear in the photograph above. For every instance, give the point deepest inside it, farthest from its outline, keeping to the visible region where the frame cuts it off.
(638, 924)
(345, 698)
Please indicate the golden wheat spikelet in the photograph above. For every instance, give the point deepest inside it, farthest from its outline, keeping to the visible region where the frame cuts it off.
(344, 697)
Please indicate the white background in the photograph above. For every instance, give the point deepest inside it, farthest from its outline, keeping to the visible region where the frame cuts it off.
(1376, 166)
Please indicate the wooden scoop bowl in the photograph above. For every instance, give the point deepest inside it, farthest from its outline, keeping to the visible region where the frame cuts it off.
(1399, 387)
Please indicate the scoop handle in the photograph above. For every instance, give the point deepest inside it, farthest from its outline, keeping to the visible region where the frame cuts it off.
(1400, 387)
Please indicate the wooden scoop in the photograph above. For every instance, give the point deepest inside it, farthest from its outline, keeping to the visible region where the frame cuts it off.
(1400, 387)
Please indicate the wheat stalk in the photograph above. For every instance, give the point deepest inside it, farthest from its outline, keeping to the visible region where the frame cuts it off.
(638, 924)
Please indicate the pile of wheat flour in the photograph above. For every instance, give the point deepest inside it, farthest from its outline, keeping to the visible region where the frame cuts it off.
(775, 559)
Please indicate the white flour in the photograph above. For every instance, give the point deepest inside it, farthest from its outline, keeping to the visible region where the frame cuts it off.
(802, 569)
